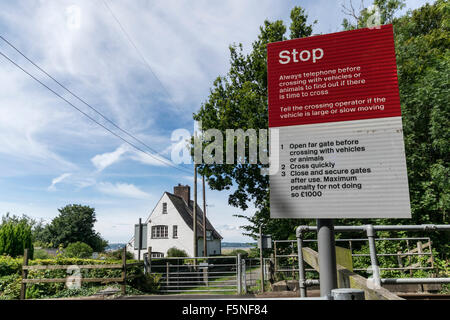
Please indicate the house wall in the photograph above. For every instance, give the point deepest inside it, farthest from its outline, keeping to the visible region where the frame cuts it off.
(213, 247)
(170, 219)
(185, 233)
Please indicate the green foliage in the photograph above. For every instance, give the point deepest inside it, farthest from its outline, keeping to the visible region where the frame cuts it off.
(441, 267)
(244, 253)
(78, 250)
(422, 41)
(41, 254)
(117, 254)
(15, 236)
(9, 265)
(74, 223)
(10, 287)
(175, 252)
(361, 17)
(10, 275)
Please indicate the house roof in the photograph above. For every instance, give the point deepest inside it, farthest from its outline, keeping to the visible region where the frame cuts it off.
(186, 212)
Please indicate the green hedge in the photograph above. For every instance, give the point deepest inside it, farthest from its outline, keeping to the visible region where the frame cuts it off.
(10, 266)
(10, 275)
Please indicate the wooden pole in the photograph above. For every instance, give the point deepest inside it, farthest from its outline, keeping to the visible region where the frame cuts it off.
(149, 259)
(23, 286)
(205, 246)
(167, 275)
(124, 271)
(194, 222)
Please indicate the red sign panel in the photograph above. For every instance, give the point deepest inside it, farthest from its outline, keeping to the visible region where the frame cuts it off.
(342, 76)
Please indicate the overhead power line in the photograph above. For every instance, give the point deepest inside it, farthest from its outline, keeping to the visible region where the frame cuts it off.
(84, 113)
(137, 49)
(82, 100)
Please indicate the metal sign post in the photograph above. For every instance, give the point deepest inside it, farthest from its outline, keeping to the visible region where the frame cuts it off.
(140, 239)
(327, 256)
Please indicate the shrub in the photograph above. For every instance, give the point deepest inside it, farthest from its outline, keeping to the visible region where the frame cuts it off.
(15, 236)
(41, 254)
(175, 252)
(117, 255)
(235, 252)
(10, 287)
(78, 250)
(10, 265)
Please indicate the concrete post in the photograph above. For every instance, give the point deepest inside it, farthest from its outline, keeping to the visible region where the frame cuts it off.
(347, 294)
(261, 262)
(327, 256)
(238, 274)
(244, 276)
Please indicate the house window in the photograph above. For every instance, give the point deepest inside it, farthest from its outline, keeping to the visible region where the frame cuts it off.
(164, 208)
(157, 255)
(175, 232)
(160, 232)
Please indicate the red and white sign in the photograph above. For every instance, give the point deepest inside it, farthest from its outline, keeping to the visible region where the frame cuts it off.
(334, 101)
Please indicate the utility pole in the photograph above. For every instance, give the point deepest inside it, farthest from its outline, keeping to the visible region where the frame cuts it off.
(261, 260)
(194, 226)
(205, 247)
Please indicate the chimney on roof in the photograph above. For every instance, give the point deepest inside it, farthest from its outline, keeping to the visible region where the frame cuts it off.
(183, 191)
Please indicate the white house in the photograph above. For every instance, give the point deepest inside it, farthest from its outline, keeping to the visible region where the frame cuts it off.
(170, 224)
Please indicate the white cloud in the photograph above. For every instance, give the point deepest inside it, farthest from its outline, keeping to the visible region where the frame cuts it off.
(122, 190)
(154, 160)
(58, 180)
(102, 161)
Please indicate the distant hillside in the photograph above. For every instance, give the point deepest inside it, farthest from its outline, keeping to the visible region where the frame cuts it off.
(114, 246)
(238, 245)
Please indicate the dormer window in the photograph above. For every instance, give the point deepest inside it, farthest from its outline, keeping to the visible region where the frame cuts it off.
(164, 208)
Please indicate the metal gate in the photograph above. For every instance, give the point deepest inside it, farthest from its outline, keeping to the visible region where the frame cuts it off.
(197, 275)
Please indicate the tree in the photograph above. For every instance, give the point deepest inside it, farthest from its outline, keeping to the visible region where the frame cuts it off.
(75, 223)
(15, 236)
(239, 100)
(423, 60)
(386, 10)
(78, 250)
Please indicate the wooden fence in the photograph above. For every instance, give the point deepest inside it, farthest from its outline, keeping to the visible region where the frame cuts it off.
(349, 279)
(122, 279)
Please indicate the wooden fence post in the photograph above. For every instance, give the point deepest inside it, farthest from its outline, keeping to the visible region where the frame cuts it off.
(419, 255)
(23, 286)
(275, 255)
(124, 271)
(167, 274)
(149, 256)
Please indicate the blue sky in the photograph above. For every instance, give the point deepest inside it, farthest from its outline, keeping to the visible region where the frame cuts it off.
(50, 155)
